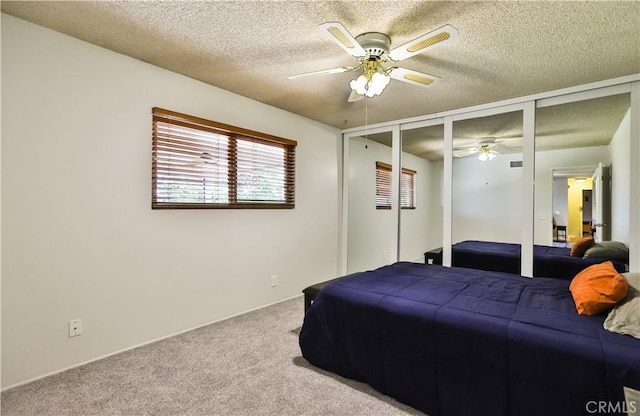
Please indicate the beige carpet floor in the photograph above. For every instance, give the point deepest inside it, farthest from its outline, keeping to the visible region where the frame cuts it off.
(247, 365)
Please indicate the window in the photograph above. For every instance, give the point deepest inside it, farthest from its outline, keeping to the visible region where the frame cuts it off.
(383, 187)
(198, 163)
(408, 189)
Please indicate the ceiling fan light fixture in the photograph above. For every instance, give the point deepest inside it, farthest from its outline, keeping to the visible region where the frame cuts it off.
(359, 85)
(486, 154)
(370, 86)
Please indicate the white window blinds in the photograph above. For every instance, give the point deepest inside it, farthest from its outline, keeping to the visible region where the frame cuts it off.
(198, 163)
(383, 187)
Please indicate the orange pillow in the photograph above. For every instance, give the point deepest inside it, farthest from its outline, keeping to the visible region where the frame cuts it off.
(581, 246)
(597, 288)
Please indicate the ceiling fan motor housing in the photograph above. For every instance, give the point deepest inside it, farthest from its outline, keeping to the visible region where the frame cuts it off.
(486, 141)
(374, 43)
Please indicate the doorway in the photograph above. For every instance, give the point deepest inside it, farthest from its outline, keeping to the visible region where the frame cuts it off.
(587, 212)
(572, 204)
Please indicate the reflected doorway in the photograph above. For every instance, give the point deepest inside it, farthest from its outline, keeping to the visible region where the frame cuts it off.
(577, 203)
(587, 213)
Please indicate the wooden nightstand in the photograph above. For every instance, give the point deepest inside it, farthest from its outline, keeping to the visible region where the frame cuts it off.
(433, 256)
(311, 291)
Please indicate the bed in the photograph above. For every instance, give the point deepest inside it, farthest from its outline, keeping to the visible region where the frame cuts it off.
(548, 261)
(456, 341)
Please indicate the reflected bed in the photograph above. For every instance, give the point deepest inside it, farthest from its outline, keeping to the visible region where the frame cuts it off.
(548, 261)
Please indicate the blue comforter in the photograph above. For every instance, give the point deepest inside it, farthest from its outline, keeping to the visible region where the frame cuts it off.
(505, 257)
(453, 341)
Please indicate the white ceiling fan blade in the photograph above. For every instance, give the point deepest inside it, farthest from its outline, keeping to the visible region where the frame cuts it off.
(413, 77)
(354, 96)
(322, 72)
(340, 35)
(510, 148)
(465, 152)
(424, 42)
(205, 160)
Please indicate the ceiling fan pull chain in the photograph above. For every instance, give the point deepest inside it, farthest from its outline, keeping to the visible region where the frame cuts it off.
(486, 173)
(366, 122)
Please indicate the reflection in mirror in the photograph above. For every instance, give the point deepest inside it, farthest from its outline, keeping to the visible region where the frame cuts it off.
(572, 205)
(422, 163)
(573, 198)
(371, 225)
(487, 179)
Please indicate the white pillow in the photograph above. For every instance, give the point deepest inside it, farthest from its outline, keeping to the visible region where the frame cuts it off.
(624, 318)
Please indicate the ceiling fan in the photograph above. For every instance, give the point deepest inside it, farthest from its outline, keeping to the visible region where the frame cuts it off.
(485, 148)
(190, 160)
(372, 52)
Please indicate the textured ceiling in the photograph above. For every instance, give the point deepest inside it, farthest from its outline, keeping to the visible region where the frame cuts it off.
(505, 49)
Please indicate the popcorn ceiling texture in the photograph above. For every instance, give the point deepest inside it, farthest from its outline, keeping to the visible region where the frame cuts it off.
(505, 50)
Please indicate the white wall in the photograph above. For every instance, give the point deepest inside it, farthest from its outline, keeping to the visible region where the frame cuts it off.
(621, 181)
(487, 199)
(370, 229)
(436, 210)
(421, 228)
(486, 203)
(79, 238)
(560, 207)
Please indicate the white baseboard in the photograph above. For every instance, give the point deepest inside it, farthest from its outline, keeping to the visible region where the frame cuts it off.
(31, 380)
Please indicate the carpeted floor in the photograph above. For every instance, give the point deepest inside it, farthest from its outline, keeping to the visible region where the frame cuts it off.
(247, 365)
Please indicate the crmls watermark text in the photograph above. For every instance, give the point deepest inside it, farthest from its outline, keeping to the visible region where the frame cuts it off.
(604, 407)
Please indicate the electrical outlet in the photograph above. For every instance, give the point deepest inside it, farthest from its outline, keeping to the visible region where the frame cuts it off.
(274, 281)
(75, 327)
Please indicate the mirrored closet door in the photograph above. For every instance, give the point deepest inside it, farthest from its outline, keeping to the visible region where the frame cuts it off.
(583, 171)
(571, 178)
(372, 229)
(421, 192)
(487, 179)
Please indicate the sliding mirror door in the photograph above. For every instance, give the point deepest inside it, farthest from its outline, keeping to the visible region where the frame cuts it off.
(421, 192)
(372, 229)
(583, 171)
(487, 179)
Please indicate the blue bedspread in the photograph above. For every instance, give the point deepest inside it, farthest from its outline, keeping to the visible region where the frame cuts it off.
(454, 341)
(548, 261)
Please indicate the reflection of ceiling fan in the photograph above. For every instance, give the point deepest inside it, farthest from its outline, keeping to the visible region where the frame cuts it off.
(485, 148)
(202, 161)
(371, 51)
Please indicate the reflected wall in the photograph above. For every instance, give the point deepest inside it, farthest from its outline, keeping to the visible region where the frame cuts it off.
(421, 226)
(370, 229)
(487, 179)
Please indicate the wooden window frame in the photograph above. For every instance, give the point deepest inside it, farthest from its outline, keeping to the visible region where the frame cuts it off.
(167, 172)
(383, 187)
